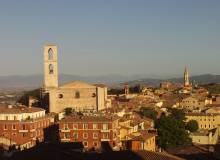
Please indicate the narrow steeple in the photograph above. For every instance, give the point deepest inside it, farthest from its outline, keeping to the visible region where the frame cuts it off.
(186, 77)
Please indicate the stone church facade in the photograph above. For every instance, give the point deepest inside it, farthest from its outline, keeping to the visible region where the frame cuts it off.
(77, 95)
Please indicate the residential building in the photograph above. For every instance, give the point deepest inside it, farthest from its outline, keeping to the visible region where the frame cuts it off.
(205, 137)
(90, 130)
(205, 120)
(195, 102)
(22, 125)
(140, 141)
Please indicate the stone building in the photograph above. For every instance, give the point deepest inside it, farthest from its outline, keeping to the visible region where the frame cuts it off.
(77, 95)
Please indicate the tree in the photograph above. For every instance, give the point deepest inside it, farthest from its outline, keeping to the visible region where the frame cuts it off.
(25, 97)
(171, 130)
(179, 114)
(148, 112)
(192, 126)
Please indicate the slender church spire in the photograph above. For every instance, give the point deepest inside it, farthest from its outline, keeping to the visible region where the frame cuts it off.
(186, 77)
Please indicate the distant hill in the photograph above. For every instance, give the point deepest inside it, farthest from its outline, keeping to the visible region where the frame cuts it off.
(35, 81)
(17, 82)
(199, 79)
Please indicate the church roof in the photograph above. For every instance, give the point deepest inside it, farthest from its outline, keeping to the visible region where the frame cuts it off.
(77, 84)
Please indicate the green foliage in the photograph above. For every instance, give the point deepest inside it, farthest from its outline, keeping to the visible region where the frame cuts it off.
(178, 114)
(213, 88)
(135, 89)
(68, 111)
(115, 91)
(148, 112)
(171, 130)
(192, 126)
(24, 98)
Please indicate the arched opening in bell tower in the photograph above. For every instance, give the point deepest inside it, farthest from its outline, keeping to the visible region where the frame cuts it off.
(51, 70)
(50, 54)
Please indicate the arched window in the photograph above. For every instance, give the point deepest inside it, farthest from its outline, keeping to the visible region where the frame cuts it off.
(50, 69)
(50, 54)
(77, 94)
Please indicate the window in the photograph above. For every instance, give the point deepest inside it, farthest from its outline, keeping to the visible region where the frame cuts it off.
(105, 127)
(15, 118)
(75, 136)
(13, 134)
(66, 127)
(50, 69)
(95, 144)
(66, 135)
(93, 95)
(5, 127)
(23, 127)
(95, 135)
(105, 136)
(85, 126)
(6, 117)
(77, 95)
(95, 126)
(50, 54)
(60, 95)
(13, 127)
(75, 126)
(85, 143)
(85, 135)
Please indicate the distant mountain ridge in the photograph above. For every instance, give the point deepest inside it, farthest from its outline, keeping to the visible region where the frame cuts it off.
(35, 81)
(199, 79)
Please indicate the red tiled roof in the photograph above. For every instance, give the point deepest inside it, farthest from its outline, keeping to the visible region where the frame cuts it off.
(18, 109)
(19, 140)
(75, 118)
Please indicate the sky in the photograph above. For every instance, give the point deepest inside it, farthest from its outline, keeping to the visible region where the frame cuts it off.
(104, 37)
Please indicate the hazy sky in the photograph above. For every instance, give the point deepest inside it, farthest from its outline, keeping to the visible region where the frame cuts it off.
(100, 37)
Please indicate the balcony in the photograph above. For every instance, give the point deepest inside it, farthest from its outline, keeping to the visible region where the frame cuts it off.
(32, 130)
(105, 131)
(105, 139)
(23, 131)
(65, 130)
(65, 139)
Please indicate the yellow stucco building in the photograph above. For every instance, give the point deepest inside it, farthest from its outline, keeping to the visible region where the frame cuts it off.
(205, 120)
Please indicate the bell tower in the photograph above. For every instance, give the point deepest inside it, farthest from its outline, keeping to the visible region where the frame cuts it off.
(186, 77)
(50, 67)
